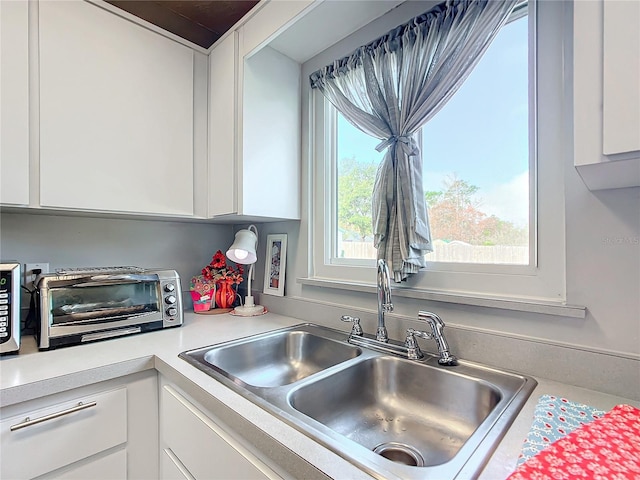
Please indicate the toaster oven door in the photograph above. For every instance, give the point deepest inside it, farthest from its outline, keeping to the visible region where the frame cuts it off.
(104, 299)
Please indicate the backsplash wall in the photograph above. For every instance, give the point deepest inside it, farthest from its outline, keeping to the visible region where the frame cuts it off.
(67, 241)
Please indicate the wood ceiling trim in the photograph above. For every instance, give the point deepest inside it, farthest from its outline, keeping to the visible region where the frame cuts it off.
(199, 22)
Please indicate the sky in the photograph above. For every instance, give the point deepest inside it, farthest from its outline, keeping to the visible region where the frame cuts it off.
(481, 134)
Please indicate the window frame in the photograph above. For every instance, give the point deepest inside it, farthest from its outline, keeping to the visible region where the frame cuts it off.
(544, 278)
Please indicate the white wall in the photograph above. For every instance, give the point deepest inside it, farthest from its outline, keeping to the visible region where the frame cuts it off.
(601, 351)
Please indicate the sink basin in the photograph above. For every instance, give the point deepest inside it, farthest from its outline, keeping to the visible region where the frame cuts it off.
(394, 418)
(276, 359)
(405, 411)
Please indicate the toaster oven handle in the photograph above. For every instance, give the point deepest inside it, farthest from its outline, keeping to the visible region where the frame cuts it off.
(98, 280)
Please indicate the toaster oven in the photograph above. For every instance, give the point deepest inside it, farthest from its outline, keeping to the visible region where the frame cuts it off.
(84, 305)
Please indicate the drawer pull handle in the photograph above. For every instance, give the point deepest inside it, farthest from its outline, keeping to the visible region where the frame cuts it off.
(28, 422)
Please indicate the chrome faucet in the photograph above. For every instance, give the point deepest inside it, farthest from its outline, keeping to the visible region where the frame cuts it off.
(410, 349)
(437, 333)
(384, 299)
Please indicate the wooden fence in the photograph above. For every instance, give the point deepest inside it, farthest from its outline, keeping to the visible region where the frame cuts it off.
(451, 252)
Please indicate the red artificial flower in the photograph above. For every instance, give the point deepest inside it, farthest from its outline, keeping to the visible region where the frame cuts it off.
(206, 274)
(218, 270)
(219, 260)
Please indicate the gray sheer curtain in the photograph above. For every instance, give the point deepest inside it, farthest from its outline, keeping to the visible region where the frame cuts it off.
(389, 89)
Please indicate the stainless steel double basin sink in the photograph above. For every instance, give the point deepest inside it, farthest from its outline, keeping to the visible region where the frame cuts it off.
(392, 417)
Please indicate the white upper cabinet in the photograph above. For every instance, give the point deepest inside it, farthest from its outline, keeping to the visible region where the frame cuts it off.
(606, 81)
(270, 135)
(116, 114)
(254, 121)
(222, 127)
(14, 103)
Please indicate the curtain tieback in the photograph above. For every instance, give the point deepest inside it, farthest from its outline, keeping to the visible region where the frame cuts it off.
(406, 139)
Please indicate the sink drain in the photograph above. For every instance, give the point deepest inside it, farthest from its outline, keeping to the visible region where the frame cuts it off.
(400, 453)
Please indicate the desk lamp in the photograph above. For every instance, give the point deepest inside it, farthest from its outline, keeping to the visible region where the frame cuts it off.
(243, 251)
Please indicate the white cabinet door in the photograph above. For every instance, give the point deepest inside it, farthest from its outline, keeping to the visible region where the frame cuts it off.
(222, 127)
(271, 131)
(14, 103)
(621, 81)
(116, 114)
(201, 446)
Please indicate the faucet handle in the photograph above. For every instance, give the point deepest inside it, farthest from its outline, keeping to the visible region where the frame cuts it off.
(356, 329)
(413, 349)
(419, 333)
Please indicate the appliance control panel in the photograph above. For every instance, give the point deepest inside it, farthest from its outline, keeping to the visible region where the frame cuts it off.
(5, 305)
(171, 303)
(9, 307)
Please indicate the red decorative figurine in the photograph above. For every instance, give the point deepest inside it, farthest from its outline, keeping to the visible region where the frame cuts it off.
(225, 277)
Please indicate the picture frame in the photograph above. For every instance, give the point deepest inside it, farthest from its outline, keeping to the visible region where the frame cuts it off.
(275, 264)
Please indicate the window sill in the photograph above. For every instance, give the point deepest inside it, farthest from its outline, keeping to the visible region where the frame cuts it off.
(513, 303)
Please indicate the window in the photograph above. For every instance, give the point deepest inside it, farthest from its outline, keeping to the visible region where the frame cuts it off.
(476, 160)
(478, 195)
(497, 229)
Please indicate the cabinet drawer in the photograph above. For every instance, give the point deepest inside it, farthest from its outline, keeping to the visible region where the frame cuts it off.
(110, 467)
(202, 446)
(60, 434)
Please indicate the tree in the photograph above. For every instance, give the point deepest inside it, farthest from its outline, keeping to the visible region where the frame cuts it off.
(454, 214)
(433, 197)
(355, 189)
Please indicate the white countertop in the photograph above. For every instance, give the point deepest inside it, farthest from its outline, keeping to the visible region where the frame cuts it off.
(34, 374)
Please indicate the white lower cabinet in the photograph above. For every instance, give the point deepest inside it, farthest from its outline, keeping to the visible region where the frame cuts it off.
(104, 431)
(57, 435)
(194, 445)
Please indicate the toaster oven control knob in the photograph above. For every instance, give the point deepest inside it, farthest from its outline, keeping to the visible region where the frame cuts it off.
(172, 311)
(170, 299)
(169, 287)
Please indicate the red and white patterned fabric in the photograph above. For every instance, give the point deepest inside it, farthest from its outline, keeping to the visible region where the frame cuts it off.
(606, 449)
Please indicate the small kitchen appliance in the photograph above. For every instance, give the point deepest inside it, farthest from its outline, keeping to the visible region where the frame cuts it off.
(87, 304)
(9, 307)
